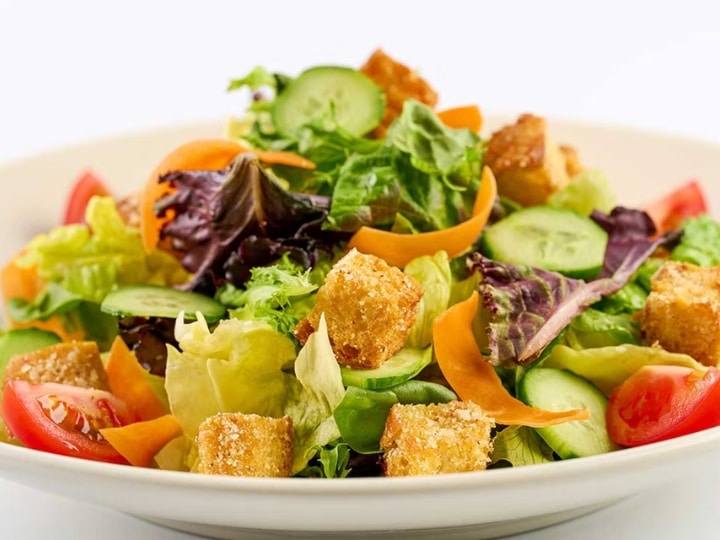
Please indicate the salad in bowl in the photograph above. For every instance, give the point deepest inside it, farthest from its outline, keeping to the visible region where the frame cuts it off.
(353, 282)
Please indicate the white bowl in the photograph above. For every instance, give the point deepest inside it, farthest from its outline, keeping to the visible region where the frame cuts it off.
(470, 505)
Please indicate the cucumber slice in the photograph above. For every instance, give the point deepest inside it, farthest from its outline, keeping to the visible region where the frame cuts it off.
(164, 302)
(400, 368)
(560, 390)
(356, 102)
(550, 238)
(24, 340)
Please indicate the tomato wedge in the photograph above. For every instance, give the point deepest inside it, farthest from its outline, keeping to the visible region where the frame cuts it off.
(657, 403)
(670, 211)
(85, 188)
(64, 419)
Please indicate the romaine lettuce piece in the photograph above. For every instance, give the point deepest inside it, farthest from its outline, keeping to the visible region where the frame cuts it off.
(700, 242)
(593, 328)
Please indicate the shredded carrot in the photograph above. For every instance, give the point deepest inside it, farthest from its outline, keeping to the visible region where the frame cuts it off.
(201, 154)
(467, 116)
(474, 379)
(141, 441)
(400, 249)
(128, 382)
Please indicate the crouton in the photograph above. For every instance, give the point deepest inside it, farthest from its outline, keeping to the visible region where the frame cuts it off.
(527, 163)
(399, 83)
(436, 439)
(682, 311)
(77, 363)
(369, 308)
(573, 165)
(239, 444)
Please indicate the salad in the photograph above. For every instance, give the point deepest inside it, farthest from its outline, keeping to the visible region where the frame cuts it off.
(352, 282)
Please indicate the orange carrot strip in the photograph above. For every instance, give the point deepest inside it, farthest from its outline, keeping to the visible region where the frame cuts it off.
(277, 157)
(141, 441)
(128, 382)
(474, 379)
(202, 154)
(467, 116)
(400, 249)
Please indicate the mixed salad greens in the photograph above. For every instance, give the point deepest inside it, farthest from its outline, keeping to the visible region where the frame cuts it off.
(197, 291)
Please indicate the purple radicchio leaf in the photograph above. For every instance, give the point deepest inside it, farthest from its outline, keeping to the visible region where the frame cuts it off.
(630, 233)
(528, 307)
(217, 213)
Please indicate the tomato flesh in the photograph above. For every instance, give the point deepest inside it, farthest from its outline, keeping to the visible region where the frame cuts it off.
(87, 186)
(64, 419)
(670, 211)
(657, 403)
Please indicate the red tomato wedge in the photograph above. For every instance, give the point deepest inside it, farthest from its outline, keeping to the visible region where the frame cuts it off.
(87, 186)
(657, 403)
(670, 211)
(64, 419)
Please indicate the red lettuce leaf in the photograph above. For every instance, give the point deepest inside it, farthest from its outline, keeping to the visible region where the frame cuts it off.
(225, 222)
(528, 307)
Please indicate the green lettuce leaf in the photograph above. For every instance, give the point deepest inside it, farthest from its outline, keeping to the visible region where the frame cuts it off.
(89, 261)
(331, 461)
(435, 276)
(520, 446)
(235, 368)
(607, 367)
(279, 294)
(361, 414)
(312, 395)
(700, 242)
(593, 328)
(589, 190)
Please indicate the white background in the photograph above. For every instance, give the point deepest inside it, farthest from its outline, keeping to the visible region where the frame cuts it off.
(74, 70)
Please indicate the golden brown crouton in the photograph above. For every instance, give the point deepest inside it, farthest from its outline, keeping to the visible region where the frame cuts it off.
(369, 307)
(436, 439)
(399, 83)
(573, 165)
(77, 363)
(682, 311)
(239, 444)
(527, 163)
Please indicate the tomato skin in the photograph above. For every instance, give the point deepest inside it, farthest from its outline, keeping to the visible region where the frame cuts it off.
(84, 189)
(670, 211)
(657, 403)
(73, 407)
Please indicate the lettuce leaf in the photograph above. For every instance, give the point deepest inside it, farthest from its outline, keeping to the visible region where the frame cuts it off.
(589, 190)
(435, 276)
(279, 294)
(88, 261)
(594, 328)
(227, 222)
(607, 367)
(519, 446)
(235, 368)
(700, 242)
(331, 461)
(312, 395)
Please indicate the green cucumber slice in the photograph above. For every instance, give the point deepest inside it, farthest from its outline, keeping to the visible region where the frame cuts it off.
(560, 390)
(157, 301)
(400, 368)
(356, 102)
(550, 238)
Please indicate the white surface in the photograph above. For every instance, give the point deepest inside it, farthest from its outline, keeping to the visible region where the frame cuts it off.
(74, 70)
